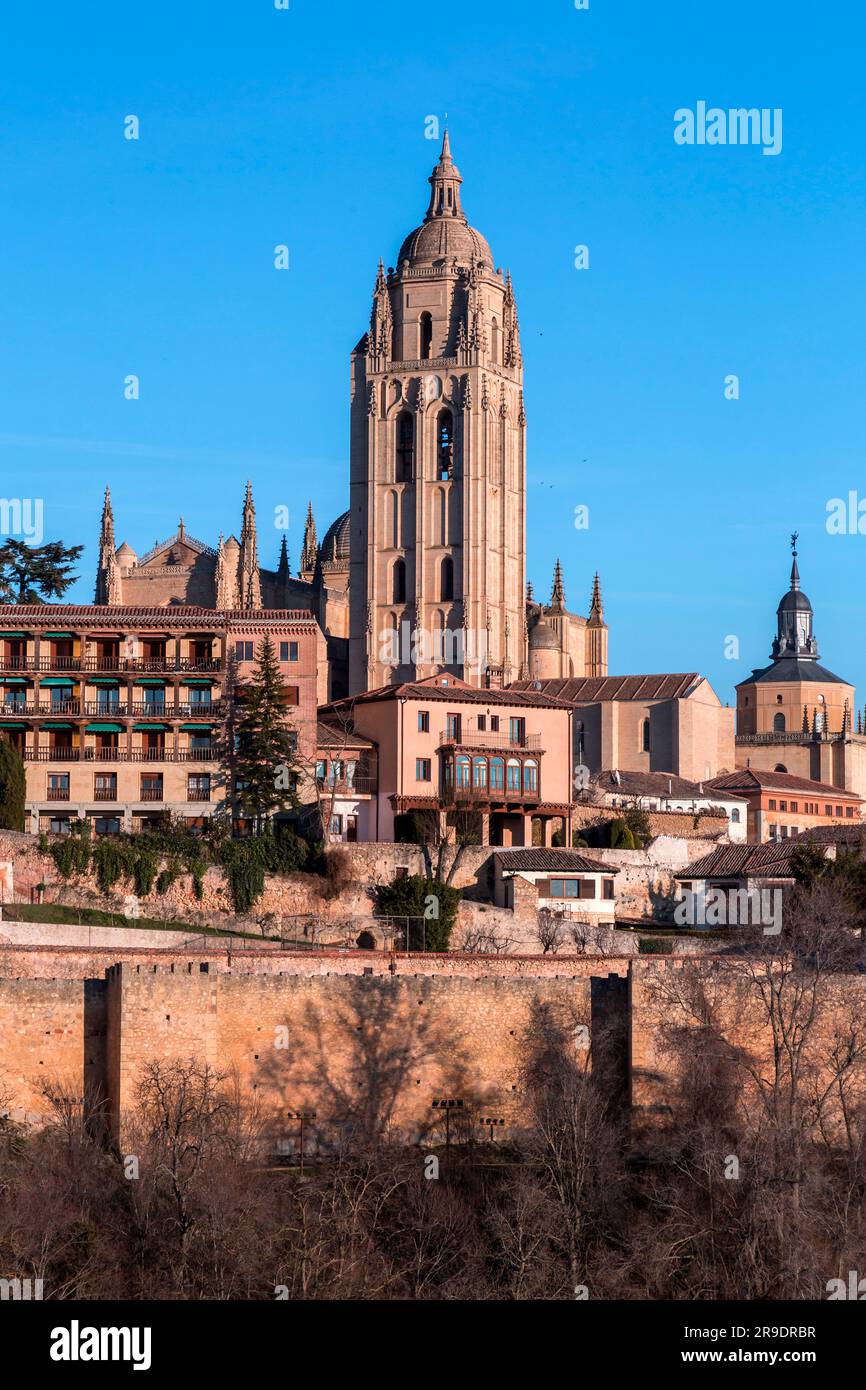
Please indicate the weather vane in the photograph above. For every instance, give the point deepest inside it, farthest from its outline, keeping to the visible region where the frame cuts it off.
(794, 536)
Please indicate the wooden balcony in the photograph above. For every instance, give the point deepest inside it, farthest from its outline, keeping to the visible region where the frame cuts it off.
(497, 740)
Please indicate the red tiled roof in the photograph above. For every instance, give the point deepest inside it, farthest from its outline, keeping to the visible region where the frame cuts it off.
(851, 833)
(553, 860)
(743, 861)
(661, 784)
(51, 614)
(456, 692)
(588, 689)
(333, 736)
(752, 779)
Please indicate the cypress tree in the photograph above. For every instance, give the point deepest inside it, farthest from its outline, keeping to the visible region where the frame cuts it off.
(13, 787)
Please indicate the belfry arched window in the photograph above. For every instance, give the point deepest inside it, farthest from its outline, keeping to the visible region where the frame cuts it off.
(444, 445)
(778, 723)
(399, 582)
(446, 579)
(645, 736)
(405, 464)
(425, 335)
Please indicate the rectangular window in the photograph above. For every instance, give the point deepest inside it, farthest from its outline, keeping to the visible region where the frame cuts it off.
(453, 723)
(58, 786)
(572, 888)
(423, 721)
(783, 805)
(151, 786)
(105, 786)
(321, 770)
(198, 786)
(288, 651)
(838, 810)
(794, 806)
(587, 888)
(516, 730)
(494, 723)
(772, 803)
(243, 651)
(422, 769)
(849, 810)
(773, 831)
(482, 723)
(557, 888)
(607, 888)
(828, 810)
(336, 825)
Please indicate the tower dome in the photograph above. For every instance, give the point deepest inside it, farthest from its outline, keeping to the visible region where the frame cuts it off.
(445, 234)
(335, 545)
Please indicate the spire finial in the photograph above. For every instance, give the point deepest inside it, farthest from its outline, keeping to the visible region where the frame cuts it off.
(596, 607)
(557, 597)
(795, 573)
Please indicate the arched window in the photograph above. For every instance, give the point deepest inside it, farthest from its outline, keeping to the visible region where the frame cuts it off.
(405, 462)
(444, 445)
(735, 815)
(778, 723)
(399, 582)
(780, 767)
(530, 776)
(494, 342)
(463, 772)
(479, 772)
(425, 335)
(497, 770)
(446, 579)
(513, 775)
(645, 736)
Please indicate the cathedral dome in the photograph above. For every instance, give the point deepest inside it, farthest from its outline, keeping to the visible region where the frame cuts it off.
(542, 636)
(445, 234)
(126, 555)
(335, 546)
(446, 239)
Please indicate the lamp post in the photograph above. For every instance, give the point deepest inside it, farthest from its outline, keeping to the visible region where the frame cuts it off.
(301, 1116)
(447, 1105)
(492, 1122)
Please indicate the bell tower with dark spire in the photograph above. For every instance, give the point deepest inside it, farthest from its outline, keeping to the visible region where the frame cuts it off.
(438, 460)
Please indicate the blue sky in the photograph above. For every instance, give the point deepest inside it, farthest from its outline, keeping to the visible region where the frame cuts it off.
(306, 127)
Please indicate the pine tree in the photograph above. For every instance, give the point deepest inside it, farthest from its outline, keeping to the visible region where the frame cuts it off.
(13, 788)
(34, 574)
(264, 760)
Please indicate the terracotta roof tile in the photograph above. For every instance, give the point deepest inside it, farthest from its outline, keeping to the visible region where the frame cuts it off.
(554, 860)
(588, 689)
(751, 779)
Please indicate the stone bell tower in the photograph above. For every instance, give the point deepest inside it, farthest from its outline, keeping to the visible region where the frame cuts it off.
(438, 459)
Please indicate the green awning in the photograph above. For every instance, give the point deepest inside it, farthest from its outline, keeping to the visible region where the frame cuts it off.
(10, 724)
(193, 680)
(59, 680)
(51, 725)
(14, 634)
(150, 728)
(103, 728)
(102, 680)
(148, 681)
(197, 728)
(58, 634)
(14, 680)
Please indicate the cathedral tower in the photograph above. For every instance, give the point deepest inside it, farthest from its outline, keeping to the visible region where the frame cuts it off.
(438, 451)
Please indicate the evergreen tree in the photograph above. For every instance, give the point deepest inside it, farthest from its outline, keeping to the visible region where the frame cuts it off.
(35, 574)
(264, 761)
(13, 791)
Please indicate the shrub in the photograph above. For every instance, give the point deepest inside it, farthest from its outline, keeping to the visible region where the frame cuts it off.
(410, 897)
(654, 946)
